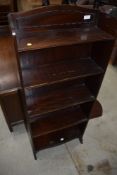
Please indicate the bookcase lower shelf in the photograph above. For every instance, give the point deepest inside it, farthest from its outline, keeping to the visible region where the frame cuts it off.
(58, 137)
(49, 99)
(57, 121)
(59, 127)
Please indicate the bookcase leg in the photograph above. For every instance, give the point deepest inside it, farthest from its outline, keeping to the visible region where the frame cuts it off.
(11, 129)
(81, 140)
(35, 155)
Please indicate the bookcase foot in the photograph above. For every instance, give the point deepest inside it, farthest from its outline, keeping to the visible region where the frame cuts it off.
(35, 155)
(81, 140)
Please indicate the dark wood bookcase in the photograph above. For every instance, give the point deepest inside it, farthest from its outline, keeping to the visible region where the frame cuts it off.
(62, 53)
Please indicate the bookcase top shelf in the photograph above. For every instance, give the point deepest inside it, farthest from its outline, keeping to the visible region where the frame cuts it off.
(54, 26)
(61, 37)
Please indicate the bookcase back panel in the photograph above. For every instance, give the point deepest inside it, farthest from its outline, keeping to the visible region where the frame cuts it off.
(55, 17)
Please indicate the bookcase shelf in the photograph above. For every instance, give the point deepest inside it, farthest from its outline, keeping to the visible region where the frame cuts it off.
(59, 72)
(57, 121)
(62, 58)
(45, 100)
(57, 138)
(61, 37)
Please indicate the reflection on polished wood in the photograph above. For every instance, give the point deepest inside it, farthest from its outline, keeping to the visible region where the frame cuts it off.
(50, 39)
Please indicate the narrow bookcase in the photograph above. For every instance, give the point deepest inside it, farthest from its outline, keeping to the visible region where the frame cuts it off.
(62, 53)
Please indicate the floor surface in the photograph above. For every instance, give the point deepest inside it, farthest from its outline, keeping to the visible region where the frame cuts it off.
(97, 156)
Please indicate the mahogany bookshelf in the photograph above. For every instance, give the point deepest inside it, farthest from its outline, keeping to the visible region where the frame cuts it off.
(62, 53)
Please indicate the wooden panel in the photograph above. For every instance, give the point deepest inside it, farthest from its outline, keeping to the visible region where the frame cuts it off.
(114, 55)
(53, 98)
(96, 110)
(9, 82)
(12, 108)
(9, 77)
(57, 121)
